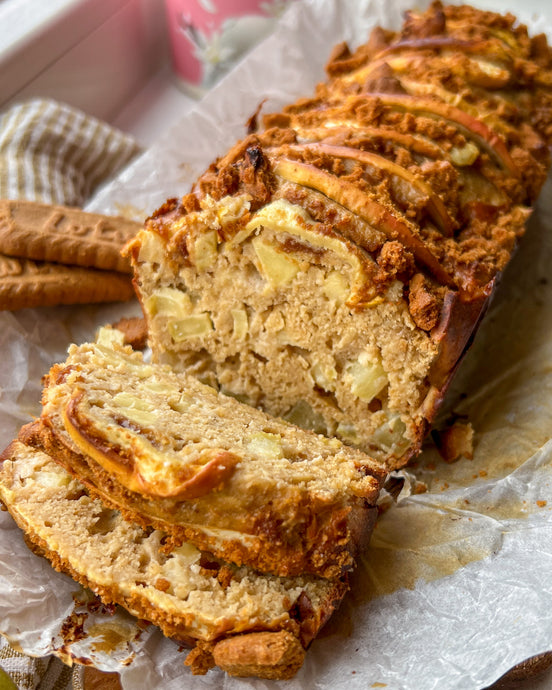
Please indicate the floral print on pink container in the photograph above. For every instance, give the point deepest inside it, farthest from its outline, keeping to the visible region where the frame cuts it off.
(208, 37)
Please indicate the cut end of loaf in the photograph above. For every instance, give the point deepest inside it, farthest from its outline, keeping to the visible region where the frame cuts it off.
(282, 312)
(173, 453)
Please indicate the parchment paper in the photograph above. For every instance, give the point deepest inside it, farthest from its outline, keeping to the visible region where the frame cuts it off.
(455, 588)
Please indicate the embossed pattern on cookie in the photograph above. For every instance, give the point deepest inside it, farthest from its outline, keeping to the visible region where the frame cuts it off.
(64, 235)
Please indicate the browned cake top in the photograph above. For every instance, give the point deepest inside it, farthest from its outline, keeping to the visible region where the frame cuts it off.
(434, 137)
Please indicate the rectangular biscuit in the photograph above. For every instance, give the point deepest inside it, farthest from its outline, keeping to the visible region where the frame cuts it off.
(65, 235)
(25, 283)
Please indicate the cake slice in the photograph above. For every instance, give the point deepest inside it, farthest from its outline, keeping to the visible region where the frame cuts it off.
(172, 453)
(245, 622)
(333, 266)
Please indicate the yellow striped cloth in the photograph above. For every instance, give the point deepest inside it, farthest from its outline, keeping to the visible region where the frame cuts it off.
(29, 673)
(54, 153)
(21, 672)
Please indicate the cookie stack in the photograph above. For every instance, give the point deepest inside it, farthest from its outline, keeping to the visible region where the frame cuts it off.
(51, 255)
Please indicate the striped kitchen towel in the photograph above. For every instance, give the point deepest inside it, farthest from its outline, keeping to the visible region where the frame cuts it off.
(54, 153)
(29, 673)
(49, 673)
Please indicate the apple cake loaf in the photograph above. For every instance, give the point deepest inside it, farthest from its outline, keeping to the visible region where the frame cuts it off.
(244, 622)
(171, 452)
(333, 266)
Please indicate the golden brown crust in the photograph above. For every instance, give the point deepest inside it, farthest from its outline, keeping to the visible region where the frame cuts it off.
(459, 318)
(284, 650)
(447, 43)
(424, 149)
(173, 626)
(287, 526)
(44, 511)
(244, 170)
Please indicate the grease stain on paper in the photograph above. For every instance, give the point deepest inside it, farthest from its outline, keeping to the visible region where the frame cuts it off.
(419, 542)
(110, 635)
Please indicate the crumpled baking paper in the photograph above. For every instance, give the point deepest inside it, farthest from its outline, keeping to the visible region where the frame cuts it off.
(455, 587)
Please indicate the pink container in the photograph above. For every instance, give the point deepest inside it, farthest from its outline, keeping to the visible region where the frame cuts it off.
(208, 37)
